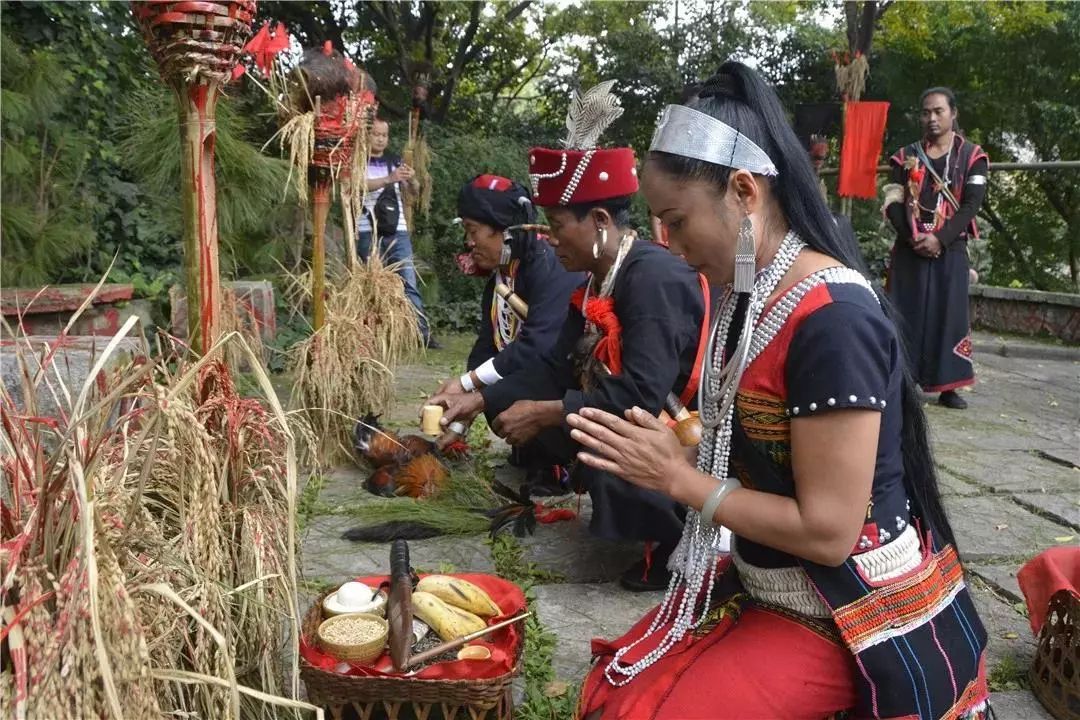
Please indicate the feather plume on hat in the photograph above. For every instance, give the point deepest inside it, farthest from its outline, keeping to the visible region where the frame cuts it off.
(590, 114)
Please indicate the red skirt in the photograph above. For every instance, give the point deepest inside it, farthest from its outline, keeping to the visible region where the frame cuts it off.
(751, 663)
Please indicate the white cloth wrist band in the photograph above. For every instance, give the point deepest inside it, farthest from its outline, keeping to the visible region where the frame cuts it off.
(708, 510)
(466, 383)
(487, 373)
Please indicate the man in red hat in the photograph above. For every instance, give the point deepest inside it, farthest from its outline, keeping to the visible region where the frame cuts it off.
(631, 338)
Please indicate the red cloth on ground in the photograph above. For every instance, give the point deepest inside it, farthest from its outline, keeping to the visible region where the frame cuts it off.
(764, 665)
(864, 132)
(1045, 575)
(502, 643)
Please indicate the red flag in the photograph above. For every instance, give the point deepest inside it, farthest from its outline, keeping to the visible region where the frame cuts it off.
(266, 44)
(864, 132)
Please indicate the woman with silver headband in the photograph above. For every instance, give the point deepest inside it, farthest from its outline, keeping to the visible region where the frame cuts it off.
(843, 592)
(521, 310)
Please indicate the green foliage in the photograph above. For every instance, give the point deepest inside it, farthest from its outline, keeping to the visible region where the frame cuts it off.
(42, 169)
(453, 317)
(253, 208)
(1008, 674)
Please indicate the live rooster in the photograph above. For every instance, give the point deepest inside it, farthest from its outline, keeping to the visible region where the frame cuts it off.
(403, 466)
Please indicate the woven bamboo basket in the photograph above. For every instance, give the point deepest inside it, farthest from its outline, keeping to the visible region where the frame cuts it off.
(1055, 672)
(364, 652)
(346, 697)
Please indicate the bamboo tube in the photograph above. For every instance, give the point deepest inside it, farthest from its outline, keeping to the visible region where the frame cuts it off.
(198, 192)
(350, 224)
(519, 306)
(320, 210)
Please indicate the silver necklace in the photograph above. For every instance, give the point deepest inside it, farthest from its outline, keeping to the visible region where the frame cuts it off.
(695, 559)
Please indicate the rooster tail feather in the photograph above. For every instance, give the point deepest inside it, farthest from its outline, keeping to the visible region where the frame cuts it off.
(390, 531)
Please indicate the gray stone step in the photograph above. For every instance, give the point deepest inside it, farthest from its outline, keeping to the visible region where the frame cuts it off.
(578, 612)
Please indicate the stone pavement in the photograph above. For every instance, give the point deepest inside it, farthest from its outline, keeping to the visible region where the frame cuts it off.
(1010, 475)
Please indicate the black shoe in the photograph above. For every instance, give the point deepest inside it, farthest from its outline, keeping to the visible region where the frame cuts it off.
(432, 344)
(637, 579)
(547, 481)
(952, 400)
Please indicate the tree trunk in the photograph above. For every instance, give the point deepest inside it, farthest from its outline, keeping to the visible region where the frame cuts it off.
(198, 193)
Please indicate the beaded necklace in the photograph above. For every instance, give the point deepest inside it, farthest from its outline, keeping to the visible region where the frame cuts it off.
(695, 559)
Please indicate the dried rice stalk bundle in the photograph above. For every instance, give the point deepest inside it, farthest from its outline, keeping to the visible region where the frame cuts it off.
(851, 76)
(149, 556)
(346, 369)
(298, 136)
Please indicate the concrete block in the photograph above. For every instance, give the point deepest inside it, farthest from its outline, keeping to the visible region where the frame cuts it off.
(72, 359)
(254, 304)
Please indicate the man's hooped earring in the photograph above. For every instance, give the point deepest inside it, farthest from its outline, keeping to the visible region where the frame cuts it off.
(599, 245)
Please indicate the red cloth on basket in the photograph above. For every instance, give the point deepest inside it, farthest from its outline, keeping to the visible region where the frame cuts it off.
(864, 131)
(502, 643)
(1044, 576)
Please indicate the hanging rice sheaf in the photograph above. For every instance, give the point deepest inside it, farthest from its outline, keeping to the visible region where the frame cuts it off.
(362, 321)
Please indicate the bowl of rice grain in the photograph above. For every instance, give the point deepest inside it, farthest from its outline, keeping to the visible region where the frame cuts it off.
(355, 637)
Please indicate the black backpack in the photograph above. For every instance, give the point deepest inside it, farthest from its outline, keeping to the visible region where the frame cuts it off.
(387, 210)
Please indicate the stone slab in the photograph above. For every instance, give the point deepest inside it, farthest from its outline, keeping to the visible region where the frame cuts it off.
(1009, 470)
(1064, 508)
(254, 305)
(993, 526)
(576, 613)
(344, 486)
(1008, 632)
(326, 556)
(71, 363)
(950, 484)
(1001, 578)
(567, 548)
(1018, 705)
(27, 301)
(1068, 456)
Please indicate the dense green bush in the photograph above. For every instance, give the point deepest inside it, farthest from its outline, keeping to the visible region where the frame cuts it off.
(46, 199)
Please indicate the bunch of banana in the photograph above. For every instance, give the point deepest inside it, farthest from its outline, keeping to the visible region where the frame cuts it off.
(460, 593)
(449, 622)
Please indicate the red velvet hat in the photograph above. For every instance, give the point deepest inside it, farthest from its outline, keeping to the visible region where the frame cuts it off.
(566, 177)
(581, 171)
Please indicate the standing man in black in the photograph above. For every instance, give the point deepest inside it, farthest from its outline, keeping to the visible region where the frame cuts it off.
(939, 183)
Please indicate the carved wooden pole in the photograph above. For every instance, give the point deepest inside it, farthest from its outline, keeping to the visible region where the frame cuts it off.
(196, 47)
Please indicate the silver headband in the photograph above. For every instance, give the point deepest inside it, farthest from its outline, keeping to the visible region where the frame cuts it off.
(691, 133)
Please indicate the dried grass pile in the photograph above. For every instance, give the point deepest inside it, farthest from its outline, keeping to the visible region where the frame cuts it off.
(346, 369)
(148, 565)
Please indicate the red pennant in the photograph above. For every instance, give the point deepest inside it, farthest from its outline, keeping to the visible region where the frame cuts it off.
(864, 132)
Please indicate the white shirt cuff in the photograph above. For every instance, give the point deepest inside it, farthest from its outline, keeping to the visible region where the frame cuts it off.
(487, 373)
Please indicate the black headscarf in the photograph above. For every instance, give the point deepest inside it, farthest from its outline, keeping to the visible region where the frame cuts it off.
(495, 201)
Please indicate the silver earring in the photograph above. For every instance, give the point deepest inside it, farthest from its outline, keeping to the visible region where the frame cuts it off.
(744, 257)
(600, 245)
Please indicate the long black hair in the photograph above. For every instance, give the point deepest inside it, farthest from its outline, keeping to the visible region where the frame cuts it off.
(737, 96)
